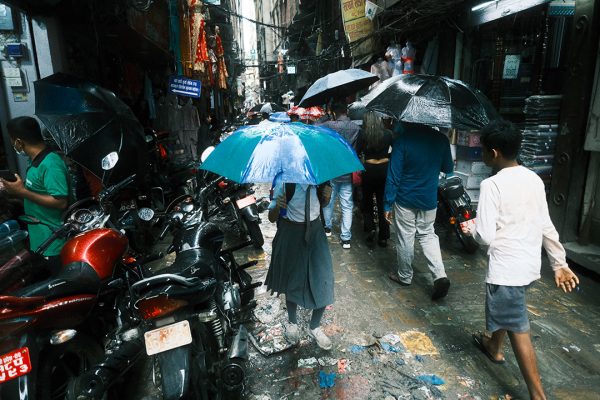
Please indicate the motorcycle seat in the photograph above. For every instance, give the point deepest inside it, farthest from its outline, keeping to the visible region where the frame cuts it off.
(175, 286)
(454, 191)
(75, 278)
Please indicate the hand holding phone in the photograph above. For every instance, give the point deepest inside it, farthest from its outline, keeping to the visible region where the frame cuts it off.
(7, 175)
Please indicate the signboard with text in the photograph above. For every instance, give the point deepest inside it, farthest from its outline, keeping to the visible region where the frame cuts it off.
(358, 27)
(356, 24)
(511, 66)
(183, 86)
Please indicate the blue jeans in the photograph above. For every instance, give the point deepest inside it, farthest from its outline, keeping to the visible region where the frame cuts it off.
(344, 190)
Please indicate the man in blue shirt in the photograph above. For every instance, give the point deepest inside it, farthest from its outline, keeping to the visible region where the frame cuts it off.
(419, 154)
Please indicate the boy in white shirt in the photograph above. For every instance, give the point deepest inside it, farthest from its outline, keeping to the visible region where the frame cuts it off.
(513, 219)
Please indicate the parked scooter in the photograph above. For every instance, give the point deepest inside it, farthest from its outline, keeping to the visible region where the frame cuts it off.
(456, 208)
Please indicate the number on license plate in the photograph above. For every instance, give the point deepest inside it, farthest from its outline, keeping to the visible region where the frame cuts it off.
(246, 201)
(14, 364)
(168, 337)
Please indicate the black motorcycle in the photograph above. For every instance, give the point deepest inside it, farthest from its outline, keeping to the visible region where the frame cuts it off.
(456, 208)
(188, 316)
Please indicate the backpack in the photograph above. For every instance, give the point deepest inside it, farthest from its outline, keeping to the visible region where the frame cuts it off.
(323, 193)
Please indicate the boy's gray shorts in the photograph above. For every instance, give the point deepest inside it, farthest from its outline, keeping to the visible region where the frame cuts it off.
(505, 308)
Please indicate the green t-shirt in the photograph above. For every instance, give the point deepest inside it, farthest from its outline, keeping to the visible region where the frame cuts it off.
(47, 175)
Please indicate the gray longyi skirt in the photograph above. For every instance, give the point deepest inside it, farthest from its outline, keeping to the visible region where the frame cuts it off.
(301, 270)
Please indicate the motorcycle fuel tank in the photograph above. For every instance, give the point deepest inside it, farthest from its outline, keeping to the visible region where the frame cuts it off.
(100, 248)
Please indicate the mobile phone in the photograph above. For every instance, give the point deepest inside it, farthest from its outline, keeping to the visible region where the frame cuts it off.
(7, 175)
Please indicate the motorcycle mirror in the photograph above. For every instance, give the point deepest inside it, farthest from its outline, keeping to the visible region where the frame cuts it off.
(206, 153)
(110, 160)
(146, 214)
(29, 220)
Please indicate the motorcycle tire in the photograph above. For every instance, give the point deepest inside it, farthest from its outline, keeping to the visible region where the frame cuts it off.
(468, 243)
(60, 365)
(205, 355)
(255, 234)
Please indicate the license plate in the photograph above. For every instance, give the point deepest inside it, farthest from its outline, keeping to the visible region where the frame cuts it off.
(14, 364)
(245, 202)
(468, 224)
(168, 337)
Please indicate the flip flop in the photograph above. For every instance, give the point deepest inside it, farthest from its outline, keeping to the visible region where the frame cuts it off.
(478, 341)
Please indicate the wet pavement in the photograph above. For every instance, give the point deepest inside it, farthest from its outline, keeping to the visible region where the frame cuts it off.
(393, 342)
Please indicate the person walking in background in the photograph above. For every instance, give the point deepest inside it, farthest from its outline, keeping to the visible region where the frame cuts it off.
(301, 265)
(513, 219)
(374, 147)
(342, 186)
(419, 154)
(45, 192)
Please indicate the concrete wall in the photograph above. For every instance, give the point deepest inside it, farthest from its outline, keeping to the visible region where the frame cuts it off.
(24, 102)
(43, 57)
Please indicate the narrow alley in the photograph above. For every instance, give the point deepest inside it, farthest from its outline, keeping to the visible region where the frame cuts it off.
(387, 336)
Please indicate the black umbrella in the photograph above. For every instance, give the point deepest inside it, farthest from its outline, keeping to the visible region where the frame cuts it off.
(357, 109)
(88, 122)
(434, 100)
(337, 85)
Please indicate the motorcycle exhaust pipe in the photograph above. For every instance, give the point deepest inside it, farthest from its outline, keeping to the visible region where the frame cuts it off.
(233, 373)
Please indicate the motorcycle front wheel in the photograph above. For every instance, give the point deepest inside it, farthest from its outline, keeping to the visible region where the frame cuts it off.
(255, 234)
(60, 365)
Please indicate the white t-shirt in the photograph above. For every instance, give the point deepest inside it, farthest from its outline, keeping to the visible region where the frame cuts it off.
(513, 219)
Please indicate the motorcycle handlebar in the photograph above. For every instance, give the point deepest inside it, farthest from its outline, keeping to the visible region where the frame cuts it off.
(55, 235)
(108, 192)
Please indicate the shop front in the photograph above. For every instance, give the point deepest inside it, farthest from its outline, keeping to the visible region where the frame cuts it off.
(530, 58)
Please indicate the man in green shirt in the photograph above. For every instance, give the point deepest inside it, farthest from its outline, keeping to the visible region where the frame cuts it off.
(45, 190)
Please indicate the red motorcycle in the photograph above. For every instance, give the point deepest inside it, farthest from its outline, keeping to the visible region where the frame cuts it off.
(47, 333)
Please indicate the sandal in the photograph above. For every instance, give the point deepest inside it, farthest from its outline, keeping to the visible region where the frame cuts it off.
(478, 341)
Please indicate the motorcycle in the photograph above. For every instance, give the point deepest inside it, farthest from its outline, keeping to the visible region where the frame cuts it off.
(170, 176)
(456, 208)
(233, 206)
(47, 334)
(189, 317)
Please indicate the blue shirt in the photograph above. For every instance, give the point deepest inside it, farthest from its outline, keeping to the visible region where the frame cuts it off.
(419, 154)
(297, 204)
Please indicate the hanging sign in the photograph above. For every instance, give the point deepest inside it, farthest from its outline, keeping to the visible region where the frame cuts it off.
(183, 86)
(359, 29)
(511, 66)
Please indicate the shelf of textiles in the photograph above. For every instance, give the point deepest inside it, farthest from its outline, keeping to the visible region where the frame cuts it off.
(540, 130)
